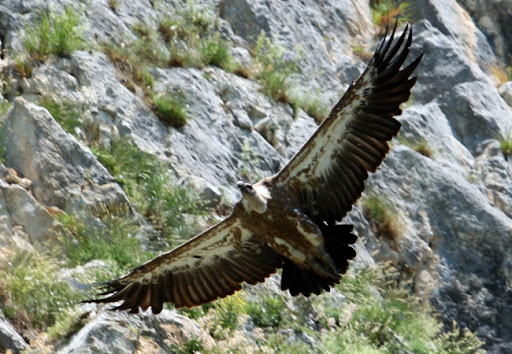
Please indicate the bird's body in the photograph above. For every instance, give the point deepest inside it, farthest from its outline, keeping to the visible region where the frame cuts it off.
(288, 220)
(285, 228)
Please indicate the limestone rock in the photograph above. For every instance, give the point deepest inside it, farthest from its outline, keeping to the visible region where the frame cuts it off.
(9, 339)
(64, 173)
(468, 246)
(506, 92)
(22, 217)
(109, 332)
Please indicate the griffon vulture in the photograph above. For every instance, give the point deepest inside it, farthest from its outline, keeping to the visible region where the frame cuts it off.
(287, 220)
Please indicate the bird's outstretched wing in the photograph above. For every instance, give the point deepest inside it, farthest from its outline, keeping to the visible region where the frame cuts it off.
(328, 172)
(212, 265)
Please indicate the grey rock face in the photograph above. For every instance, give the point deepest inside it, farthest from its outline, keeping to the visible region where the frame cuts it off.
(21, 215)
(506, 92)
(493, 18)
(454, 208)
(325, 31)
(9, 339)
(64, 173)
(114, 332)
(468, 247)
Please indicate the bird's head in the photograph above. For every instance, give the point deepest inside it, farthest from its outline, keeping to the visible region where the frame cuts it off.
(254, 196)
(245, 188)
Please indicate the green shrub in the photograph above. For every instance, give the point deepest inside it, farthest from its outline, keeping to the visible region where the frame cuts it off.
(32, 295)
(57, 34)
(385, 12)
(228, 309)
(506, 146)
(380, 316)
(274, 66)
(216, 52)
(147, 183)
(114, 240)
(268, 313)
(66, 114)
(191, 346)
(170, 108)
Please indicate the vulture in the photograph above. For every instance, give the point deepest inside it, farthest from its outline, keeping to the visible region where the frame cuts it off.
(290, 220)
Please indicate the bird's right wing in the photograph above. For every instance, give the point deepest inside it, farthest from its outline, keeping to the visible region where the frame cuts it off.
(212, 265)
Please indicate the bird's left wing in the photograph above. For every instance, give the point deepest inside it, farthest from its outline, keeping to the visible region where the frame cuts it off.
(327, 174)
(212, 265)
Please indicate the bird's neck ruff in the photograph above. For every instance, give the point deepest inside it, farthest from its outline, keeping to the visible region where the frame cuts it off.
(257, 200)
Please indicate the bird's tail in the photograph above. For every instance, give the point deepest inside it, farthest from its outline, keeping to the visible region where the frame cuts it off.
(338, 241)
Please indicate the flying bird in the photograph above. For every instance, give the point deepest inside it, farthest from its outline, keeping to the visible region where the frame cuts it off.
(288, 220)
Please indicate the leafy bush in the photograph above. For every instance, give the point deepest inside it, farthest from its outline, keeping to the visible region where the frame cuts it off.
(23, 276)
(274, 66)
(228, 309)
(268, 313)
(170, 108)
(506, 146)
(66, 114)
(381, 316)
(57, 34)
(149, 187)
(386, 12)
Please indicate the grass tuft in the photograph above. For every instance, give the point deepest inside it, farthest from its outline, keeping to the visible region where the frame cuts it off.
(23, 276)
(386, 12)
(421, 146)
(506, 146)
(170, 108)
(383, 216)
(57, 34)
(114, 239)
(66, 114)
(216, 52)
(311, 104)
(147, 183)
(274, 66)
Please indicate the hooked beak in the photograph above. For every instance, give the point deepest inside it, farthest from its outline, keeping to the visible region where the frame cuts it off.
(244, 187)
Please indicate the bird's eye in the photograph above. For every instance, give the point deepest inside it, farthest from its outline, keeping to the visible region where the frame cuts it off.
(248, 186)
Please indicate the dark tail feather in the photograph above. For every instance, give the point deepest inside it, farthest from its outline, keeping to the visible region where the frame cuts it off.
(338, 239)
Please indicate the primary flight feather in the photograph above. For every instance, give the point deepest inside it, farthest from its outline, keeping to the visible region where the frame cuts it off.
(287, 220)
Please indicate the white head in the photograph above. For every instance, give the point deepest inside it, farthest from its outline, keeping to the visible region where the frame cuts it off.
(255, 196)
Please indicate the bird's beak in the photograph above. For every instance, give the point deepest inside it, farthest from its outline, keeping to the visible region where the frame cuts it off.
(245, 188)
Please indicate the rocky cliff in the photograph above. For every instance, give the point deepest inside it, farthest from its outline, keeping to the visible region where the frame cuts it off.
(86, 142)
